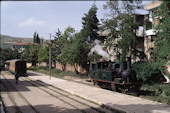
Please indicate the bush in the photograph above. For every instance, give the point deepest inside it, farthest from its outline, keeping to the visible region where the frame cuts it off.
(56, 72)
(168, 99)
(145, 71)
(166, 89)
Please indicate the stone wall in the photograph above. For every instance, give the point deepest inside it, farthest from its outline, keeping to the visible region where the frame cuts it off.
(68, 67)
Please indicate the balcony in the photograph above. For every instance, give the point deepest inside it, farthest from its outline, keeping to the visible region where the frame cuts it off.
(150, 32)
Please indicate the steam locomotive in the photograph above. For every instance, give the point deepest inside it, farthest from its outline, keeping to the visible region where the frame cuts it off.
(118, 77)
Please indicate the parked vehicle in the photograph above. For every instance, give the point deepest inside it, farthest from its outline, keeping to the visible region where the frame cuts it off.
(118, 77)
(17, 67)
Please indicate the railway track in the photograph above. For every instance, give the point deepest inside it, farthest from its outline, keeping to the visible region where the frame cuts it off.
(78, 103)
(17, 96)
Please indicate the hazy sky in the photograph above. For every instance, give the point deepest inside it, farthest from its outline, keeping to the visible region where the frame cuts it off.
(22, 19)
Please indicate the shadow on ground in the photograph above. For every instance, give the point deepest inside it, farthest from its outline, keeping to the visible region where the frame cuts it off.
(49, 108)
(21, 86)
(32, 74)
(141, 108)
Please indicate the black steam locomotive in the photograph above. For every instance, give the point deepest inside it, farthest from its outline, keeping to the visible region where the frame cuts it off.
(118, 77)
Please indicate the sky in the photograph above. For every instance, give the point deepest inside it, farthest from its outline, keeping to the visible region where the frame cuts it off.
(23, 18)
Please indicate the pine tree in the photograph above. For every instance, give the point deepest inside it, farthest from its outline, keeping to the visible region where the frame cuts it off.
(90, 24)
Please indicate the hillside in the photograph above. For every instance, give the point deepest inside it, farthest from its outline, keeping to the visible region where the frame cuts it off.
(7, 41)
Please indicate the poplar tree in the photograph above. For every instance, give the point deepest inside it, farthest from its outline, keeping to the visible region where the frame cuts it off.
(36, 38)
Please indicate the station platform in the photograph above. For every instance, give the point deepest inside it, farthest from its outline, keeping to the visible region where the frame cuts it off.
(116, 101)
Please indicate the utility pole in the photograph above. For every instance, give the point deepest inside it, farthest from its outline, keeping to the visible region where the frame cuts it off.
(50, 58)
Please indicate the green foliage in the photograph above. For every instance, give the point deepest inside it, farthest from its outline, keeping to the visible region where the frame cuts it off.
(145, 71)
(161, 92)
(80, 50)
(25, 53)
(95, 57)
(148, 25)
(162, 41)
(122, 36)
(128, 41)
(65, 43)
(90, 25)
(74, 48)
(55, 72)
(36, 38)
(33, 53)
(8, 54)
(15, 54)
(43, 54)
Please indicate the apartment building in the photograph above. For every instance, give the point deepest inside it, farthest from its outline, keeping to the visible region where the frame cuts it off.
(139, 19)
(151, 22)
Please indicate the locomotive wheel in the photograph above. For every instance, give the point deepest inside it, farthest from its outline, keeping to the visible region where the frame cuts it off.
(94, 82)
(100, 84)
(113, 87)
(118, 88)
(124, 90)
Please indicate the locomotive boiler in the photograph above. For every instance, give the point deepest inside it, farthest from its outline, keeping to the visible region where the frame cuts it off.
(118, 77)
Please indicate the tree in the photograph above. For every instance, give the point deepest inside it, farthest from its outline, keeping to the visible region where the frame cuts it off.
(25, 53)
(36, 38)
(65, 45)
(122, 26)
(79, 51)
(8, 54)
(33, 53)
(43, 54)
(127, 44)
(162, 40)
(90, 25)
(73, 48)
(16, 54)
(55, 48)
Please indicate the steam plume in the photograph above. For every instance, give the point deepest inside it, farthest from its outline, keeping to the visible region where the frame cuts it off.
(99, 50)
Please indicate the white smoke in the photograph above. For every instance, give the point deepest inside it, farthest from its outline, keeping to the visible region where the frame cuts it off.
(99, 50)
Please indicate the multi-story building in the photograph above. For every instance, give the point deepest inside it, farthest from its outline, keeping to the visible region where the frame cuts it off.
(151, 22)
(139, 19)
(145, 34)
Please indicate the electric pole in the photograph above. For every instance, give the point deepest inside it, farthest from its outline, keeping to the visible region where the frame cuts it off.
(50, 58)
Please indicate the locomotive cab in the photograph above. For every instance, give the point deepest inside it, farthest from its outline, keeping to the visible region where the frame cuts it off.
(101, 72)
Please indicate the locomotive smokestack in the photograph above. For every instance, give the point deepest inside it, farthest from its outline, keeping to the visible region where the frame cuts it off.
(121, 65)
(129, 63)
